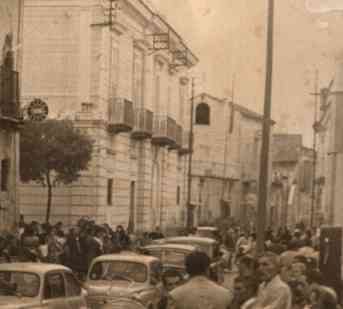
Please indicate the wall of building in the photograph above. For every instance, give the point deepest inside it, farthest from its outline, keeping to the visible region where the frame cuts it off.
(90, 64)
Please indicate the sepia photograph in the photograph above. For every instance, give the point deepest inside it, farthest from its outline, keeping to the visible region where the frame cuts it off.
(171, 154)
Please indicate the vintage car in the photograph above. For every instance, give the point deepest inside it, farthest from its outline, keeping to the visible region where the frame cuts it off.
(132, 276)
(173, 258)
(208, 245)
(207, 231)
(36, 285)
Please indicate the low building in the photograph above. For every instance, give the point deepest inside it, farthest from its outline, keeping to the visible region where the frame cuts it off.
(120, 75)
(225, 169)
(292, 180)
(9, 112)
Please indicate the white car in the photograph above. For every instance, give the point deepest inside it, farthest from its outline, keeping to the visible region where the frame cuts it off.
(36, 285)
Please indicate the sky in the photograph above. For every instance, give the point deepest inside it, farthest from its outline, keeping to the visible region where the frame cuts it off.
(229, 38)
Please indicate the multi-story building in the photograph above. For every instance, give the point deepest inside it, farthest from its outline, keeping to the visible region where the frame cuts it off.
(120, 74)
(227, 142)
(292, 180)
(9, 112)
(329, 171)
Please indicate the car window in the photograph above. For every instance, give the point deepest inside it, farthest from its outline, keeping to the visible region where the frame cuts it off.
(54, 286)
(73, 286)
(15, 282)
(174, 257)
(155, 253)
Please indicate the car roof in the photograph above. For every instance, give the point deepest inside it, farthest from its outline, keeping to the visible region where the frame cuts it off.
(172, 246)
(208, 228)
(39, 268)
(126, 257)
(204, 240)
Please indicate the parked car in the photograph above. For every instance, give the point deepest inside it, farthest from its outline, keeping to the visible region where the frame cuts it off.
(36, 285)
(125, 303)
(133, 276)
(208, 245)
(173, 258)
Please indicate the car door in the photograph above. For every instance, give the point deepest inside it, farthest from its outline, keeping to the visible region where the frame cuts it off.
(75, 297)
(54, 293)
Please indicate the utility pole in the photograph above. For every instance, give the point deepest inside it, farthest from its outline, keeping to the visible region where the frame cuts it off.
(264, 165)
(190, 214)
(313, 198)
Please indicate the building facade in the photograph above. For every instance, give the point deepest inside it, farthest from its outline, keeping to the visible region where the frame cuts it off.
(120, 75)
(9, 112)
(292, 180)
(329, 171)
(225, 169)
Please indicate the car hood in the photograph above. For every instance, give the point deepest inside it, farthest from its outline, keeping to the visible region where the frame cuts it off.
(15, 302)
(115, 288)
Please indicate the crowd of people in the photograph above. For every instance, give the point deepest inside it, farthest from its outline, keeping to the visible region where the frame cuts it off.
(286, 276)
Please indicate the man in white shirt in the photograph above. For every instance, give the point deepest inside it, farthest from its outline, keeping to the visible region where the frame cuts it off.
(273, 293)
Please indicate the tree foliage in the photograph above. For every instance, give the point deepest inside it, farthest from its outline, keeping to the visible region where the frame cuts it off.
(53, 152)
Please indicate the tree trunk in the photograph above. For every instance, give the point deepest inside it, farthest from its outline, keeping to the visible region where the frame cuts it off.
(48, 208)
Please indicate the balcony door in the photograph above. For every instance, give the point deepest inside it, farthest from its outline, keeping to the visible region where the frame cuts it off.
(132, 214)
(138, 78)
(156, 196)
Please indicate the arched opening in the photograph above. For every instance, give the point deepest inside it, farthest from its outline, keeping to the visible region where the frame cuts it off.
(202, 114)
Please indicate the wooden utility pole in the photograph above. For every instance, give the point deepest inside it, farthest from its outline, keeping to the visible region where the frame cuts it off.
(313, 198)
(190, 157)
(264, 165)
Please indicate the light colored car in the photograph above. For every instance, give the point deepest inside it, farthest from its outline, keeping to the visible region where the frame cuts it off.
(209, 246)
(132, 276)
(207, 231)
(36, 285)
(173, 258)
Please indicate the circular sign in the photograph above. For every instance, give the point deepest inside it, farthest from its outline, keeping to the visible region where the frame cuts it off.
(38, 110)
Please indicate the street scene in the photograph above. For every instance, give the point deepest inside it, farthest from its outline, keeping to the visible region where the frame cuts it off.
(171, 154)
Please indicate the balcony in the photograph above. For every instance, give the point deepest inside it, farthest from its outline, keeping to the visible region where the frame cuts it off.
(9, 97)
(143, 125)
(121, 116)
(164, 131)
(184, 149)
(178, 138)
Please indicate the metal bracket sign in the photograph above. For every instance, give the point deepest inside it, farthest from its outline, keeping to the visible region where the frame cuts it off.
(37, 110)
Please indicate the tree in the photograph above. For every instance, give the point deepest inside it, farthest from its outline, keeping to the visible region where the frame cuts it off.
(53, 152)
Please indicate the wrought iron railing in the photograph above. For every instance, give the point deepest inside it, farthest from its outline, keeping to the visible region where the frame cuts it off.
(121, 112)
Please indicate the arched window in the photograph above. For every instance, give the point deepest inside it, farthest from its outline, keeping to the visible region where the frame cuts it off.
(202, 114)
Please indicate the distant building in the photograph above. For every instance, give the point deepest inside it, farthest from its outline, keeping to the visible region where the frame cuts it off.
(292, 178)
(329, 173)
(125, 85)
(225, 169)
(9, 112)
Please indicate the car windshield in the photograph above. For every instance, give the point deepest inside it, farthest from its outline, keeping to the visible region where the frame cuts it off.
(119, 270)
(175, 258)
(24, 284)
(206, 233)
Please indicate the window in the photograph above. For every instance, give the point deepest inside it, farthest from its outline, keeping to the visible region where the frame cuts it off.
(5, 167)
(202, 114)
(157, 85)
(138, 78)
(54, 286)
(114, 70)
(109, 191)
(73, 287)
(178, 195)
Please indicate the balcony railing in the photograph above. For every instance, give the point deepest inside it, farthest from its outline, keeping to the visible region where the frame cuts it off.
(216, 170)
(121, 115)
(143, 125)
(9, 95)
(164, 131)
(184, 149)
(178, 138)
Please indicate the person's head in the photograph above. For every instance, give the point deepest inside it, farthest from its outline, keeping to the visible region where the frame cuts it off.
(120, 228)
(268, 266)
(299, 288)
(298, 270)
(197, 263)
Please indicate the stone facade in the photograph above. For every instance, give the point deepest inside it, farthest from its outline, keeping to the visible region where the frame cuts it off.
(9, 112)
(226, 160)
(329, 171)
(292, 180)
(130, 99)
